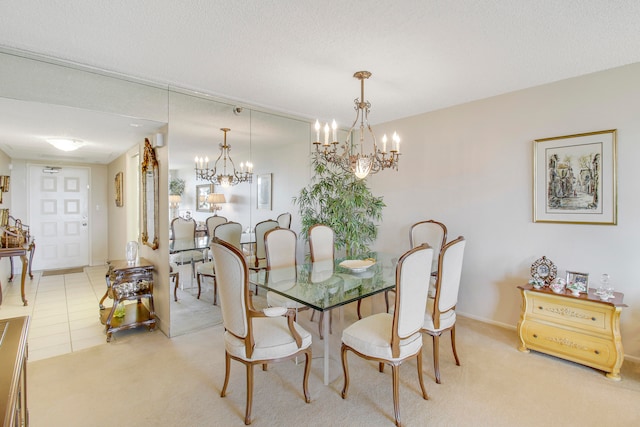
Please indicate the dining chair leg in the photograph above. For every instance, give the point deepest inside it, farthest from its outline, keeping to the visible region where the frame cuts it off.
(247, 417)
(425, 396)
(396, 394)
(436, 352)
(215, 291)
(305, 380)
(453, 344)
(227, 369)
(345, 370)
(176, 279)
(199, 288)
(359, 315)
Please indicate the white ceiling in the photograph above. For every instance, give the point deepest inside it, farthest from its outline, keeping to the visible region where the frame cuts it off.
(298, 57)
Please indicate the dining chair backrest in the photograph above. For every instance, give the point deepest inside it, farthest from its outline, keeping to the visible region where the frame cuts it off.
(182, 228)
(212, 222)
(284, 220)
(449, 274)
(412, 280)
(233, 287)
(260, 230)
(280, 246)
(431, 232)
(230, 232)
(321, 242)
(321, 270)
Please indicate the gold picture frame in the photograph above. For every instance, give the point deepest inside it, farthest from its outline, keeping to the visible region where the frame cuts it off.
(574, 179)
(119, 185)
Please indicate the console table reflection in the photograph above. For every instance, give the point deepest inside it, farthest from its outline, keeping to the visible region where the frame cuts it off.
(128, 282)
(583, 329)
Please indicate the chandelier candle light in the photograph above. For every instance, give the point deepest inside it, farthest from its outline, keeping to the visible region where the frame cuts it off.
(222, 177)
(353, 157)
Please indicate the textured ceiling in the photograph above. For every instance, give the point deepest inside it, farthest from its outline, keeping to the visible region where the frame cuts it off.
(299, 56)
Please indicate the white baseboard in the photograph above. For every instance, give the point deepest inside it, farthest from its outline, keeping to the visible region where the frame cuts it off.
(630, 358)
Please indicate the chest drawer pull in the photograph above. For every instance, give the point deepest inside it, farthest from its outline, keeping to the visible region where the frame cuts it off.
(535, 335)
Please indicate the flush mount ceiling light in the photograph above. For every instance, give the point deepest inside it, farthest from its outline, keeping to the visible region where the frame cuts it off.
(65, 144)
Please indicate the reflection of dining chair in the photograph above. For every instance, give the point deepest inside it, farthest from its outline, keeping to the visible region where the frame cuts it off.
(185, 229)
(322, 248)
(284, 220)
(258, 259)
(174, 275)
(393, 338)
(280, 249)
(441, 310)
(212, 222)
(230, 233)
(253, 337)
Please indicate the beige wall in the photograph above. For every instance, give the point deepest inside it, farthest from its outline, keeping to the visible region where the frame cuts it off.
(470, 166)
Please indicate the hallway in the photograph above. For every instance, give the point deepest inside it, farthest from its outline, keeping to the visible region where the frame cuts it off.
(64, 311)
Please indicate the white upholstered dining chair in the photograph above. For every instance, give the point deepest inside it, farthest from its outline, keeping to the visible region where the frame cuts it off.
(229, 232)
(284, 220)
(393, 338)
(254, 337)
(185, 229)
(440, 314)
(280, 248)
(322, 250)
(212, 222)
(258, 257)
(434, 234)
(431, 232)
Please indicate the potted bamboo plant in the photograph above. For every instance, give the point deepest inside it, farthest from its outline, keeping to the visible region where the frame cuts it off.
(336, 198)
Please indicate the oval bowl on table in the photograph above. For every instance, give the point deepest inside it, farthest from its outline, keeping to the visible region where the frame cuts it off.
(357, 265)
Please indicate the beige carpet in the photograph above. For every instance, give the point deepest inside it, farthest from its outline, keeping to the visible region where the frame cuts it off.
(146, 379)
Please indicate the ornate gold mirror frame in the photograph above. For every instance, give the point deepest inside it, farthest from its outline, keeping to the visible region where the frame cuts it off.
(149, 192)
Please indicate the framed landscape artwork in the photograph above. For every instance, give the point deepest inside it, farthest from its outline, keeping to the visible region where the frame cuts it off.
(574, 178)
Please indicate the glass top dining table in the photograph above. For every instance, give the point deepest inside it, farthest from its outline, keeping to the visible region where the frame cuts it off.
(201, 243)
(326, 285)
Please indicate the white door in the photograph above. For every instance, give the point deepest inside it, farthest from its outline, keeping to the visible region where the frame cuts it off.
(59, 216)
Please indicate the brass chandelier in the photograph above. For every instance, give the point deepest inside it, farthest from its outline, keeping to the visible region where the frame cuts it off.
(352, 158)
(220, 176)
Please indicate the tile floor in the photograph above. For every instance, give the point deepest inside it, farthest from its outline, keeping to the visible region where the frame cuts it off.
(64, 311)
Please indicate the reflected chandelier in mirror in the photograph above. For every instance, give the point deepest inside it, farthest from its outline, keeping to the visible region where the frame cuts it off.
(221, 176)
